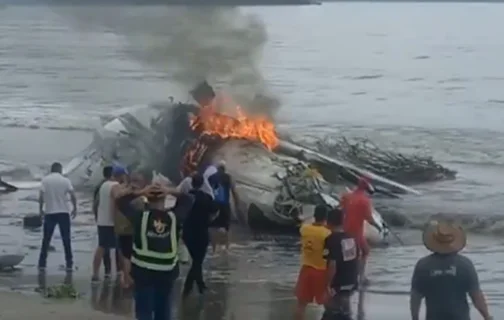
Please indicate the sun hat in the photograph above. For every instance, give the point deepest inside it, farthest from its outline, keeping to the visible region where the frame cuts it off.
(444, 238)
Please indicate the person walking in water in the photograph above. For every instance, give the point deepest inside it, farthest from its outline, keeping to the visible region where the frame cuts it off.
(223, 188)
(445, 277)
(311, 284)
(342, 254)
(105, 217)
(154, 259)
(357, 209)
(195, 234)
(53, 207)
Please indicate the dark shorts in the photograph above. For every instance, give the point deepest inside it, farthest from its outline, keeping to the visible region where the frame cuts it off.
(223, 219)
(106, 237)
(126, 245)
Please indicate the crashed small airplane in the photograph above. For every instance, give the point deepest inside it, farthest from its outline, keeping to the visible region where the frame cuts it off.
(279, 181)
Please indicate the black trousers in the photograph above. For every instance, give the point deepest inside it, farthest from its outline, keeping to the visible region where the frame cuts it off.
(197, 248)
(62, 220)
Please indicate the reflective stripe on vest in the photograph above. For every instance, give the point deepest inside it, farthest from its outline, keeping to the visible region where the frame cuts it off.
(144, 251)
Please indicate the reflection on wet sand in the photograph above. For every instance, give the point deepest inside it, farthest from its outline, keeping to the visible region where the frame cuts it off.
(236, 290)
(361, 315)
(42, 280)
(253, 281)
(110, 297)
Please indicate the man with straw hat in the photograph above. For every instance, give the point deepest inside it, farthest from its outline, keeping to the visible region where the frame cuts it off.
(445, 277)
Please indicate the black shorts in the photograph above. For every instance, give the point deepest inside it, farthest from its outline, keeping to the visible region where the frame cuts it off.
(106, 237)
(223, 219)
(126, 245)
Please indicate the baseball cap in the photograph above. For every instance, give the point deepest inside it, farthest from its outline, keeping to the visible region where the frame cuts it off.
(118, 170)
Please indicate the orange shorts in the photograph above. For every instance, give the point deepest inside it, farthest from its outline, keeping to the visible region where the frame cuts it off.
(311, 285)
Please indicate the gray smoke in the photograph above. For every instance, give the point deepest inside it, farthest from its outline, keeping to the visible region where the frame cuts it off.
(222, 45)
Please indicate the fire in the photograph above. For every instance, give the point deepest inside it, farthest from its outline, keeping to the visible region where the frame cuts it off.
(211, 123)
(258, 128)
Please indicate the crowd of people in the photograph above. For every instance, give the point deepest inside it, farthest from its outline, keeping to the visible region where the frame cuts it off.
(334, 254)
(133, 221)
(132, 217)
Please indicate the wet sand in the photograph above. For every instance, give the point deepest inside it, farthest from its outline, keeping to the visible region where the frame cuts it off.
(254, 281)
(235, 294)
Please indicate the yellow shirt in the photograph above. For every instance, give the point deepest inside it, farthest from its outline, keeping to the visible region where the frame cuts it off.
(312, 245)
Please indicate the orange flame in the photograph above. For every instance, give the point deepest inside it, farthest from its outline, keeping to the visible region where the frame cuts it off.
(252, 128)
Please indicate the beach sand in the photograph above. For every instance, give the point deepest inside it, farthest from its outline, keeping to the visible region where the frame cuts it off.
(253, 282)
(15, 305)
(244, 300)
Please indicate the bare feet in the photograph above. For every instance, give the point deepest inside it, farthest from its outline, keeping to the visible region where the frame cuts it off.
(126, 280)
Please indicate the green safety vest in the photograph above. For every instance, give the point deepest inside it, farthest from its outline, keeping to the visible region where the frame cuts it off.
(144, 255)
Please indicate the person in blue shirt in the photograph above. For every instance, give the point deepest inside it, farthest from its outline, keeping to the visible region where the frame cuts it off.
(223, 187)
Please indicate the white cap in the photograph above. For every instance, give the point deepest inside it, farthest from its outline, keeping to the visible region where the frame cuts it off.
(221, 163)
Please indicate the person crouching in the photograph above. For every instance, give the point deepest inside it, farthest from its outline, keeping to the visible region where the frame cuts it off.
(154, 259)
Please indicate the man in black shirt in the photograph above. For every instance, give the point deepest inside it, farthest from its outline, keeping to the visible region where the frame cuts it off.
(445, 278)
(155, 247)
(195, 233)
(342, 255)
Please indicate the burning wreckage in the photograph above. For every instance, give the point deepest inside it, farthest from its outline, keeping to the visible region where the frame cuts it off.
(279, 181)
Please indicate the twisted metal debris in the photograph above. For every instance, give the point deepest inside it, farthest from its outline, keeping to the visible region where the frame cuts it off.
(392, 165)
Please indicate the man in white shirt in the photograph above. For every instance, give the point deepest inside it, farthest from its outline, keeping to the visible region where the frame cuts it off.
(53, 207)
(186, 185)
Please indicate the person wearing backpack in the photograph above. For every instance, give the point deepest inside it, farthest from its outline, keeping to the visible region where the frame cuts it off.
(223, 187)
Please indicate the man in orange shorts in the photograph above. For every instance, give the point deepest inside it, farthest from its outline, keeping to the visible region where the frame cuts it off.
(357, 209)
(312, 281)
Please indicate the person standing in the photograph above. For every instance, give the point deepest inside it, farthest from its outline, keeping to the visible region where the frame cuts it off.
(195, 234)
(105, 218)
(154, 259)
(342, 254)
(357, 209)
(107, 175)
(311, 284)
(53, 207)
(186, 185)
(223, 188)
(124, 229)
(445, 277)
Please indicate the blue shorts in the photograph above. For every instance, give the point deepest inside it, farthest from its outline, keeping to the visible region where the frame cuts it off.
(106, 237)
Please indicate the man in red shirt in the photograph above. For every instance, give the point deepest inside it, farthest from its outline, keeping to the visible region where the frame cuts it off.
(357, 209)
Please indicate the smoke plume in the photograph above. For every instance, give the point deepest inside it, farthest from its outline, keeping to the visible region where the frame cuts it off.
(222, 45)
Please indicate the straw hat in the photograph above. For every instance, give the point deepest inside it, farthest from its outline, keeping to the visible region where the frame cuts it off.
(443, 237)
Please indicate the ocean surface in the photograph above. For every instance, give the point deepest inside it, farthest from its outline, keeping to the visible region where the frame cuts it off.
(415, 77)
